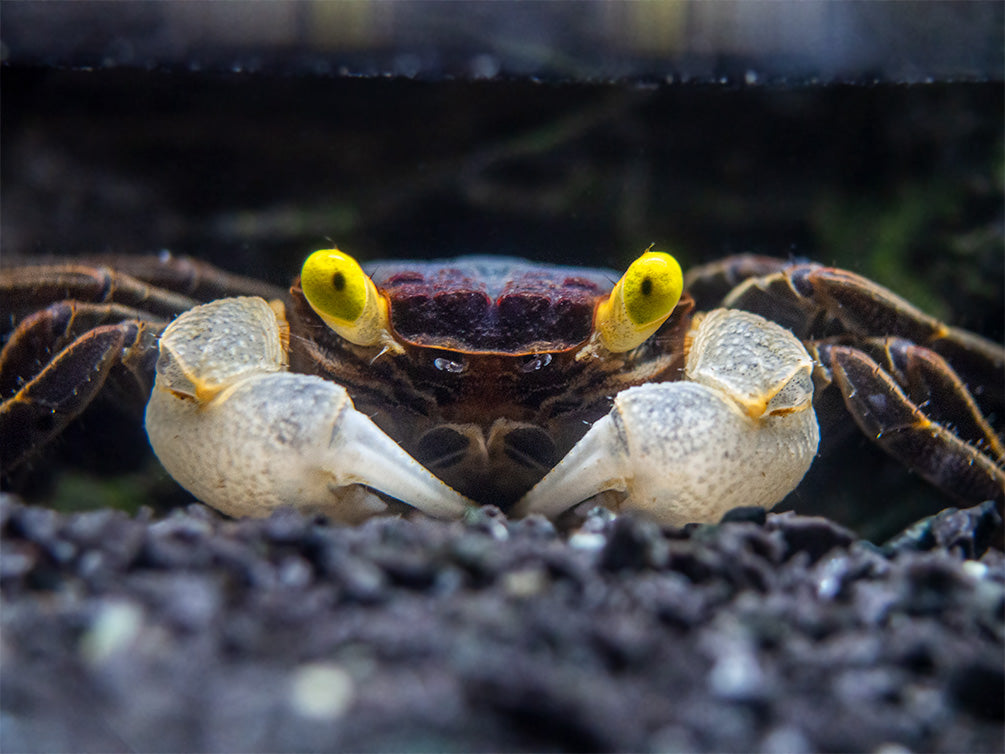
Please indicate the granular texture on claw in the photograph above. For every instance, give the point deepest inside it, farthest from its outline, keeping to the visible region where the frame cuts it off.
(784, 633)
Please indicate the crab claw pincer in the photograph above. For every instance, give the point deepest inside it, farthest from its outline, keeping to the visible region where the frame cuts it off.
(245, 436)
(739, 430)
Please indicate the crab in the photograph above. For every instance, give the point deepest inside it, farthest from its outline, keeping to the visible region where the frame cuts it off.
(439, 385)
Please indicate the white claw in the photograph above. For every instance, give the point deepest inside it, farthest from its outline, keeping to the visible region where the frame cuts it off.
(742, 434)
(245, 436)
(597, 463)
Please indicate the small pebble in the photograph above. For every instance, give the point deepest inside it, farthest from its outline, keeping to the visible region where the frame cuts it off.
(114, 628)
(525, 583)
(321, 690)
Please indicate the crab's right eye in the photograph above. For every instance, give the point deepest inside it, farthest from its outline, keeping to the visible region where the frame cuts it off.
(344, 297)
(640, 302)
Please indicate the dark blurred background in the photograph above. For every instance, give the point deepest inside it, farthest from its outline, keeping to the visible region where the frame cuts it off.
(866, 135)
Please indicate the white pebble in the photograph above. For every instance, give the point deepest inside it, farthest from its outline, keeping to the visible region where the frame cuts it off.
(321, 690)
(115, 626)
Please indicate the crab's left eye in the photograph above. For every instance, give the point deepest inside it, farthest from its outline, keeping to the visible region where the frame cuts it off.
(640, 302)
(344, 297)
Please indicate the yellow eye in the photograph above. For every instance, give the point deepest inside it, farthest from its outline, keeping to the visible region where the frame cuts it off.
(640, 302)
(345, 298)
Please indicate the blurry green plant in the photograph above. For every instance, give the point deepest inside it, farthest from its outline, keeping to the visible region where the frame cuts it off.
(931, 242)
(77, 490)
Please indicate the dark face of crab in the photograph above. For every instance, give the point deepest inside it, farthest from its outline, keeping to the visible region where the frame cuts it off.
(487, 369)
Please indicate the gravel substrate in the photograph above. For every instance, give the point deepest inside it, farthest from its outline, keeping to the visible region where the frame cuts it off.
(779, 633)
